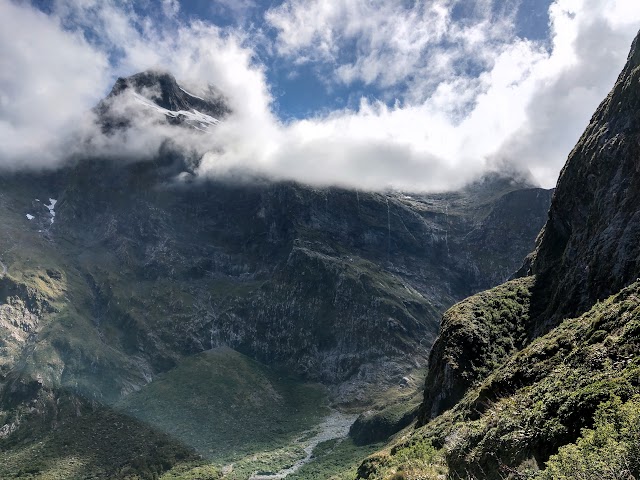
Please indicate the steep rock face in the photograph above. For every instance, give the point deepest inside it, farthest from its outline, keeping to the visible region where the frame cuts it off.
(589, 247)
(339, 286)
(588, 250)
(502, 221)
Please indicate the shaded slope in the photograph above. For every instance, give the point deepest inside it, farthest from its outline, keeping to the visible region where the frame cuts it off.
(138, 273)
(100, 444)
(537, 400)
(336, 285)
(226, 406)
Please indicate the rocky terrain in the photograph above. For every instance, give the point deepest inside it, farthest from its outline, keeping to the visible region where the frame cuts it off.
(538, 377)
(116, 273)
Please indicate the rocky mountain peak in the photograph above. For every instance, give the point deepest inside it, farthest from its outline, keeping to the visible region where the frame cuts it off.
(159, 91)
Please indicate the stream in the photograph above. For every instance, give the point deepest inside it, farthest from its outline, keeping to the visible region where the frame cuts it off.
(336, 425)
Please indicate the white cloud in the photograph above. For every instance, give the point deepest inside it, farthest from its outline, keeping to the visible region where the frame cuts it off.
(170, 7)
(389, 43)
(527, 107)
(590, 46)
(49, 77)
(522, 103)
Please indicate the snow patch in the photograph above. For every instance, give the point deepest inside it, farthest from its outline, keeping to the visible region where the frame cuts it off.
(192, 118)
(30, 217)
(191, 94)
(51, 207)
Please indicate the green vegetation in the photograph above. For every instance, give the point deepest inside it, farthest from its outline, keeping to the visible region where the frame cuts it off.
(102, 444)
(379, 424)
(219, 405)
(542, 398)
(193, 471)
(414, 459)
(334, 460)
(485, 328)
(609, 451)
(227, 406)
(476, 336)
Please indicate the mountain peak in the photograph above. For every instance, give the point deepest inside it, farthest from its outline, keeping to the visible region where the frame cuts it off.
(159, 91)
(147, 79)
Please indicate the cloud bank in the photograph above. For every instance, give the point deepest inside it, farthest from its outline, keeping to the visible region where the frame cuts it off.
(460, 93)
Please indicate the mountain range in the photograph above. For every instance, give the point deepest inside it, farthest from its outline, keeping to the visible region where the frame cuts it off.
(153, 306)
(155, 323)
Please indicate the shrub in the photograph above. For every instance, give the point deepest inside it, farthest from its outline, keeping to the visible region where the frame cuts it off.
(609, 451)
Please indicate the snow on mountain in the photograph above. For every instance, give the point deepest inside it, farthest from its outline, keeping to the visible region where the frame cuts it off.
(194, 118)
(161, 92)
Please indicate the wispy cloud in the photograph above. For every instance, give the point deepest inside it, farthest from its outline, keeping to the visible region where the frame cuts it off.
(391, 44)
(170, 8)
(518, 102)
(239, 9)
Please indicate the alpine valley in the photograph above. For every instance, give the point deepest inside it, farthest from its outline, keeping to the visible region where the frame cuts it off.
(157, 324)
(160, 324)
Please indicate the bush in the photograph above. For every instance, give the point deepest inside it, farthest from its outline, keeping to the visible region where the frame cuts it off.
(609, 451)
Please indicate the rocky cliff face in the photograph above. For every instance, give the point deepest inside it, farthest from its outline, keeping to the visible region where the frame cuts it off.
(589, 248)
(513, 376)
(339, 286)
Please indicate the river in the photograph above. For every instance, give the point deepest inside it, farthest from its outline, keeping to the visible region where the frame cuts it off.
(335, 426)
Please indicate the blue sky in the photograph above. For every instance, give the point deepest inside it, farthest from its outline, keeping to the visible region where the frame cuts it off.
(303, 90)
(363, 93)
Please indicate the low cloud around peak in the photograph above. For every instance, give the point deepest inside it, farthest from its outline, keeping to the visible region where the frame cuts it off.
(523, 104)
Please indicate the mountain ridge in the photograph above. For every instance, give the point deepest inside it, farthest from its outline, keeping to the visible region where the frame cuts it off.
(160, 92)
(141, 271)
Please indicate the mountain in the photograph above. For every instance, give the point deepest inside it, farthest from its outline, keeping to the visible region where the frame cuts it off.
(159, 92)
(129, 295)
(539, 377)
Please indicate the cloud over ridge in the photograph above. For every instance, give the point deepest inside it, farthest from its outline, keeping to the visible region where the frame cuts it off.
(460, 92)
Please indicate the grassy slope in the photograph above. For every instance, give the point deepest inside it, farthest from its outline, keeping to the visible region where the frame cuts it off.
(101, 444)
(476, 336)
(537, 401)
(219, 405)
(227, 406)
(334, 460)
